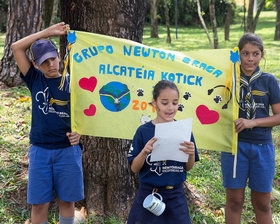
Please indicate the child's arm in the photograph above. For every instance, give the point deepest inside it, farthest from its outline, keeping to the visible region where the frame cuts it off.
(189, 149)
(20, 46)
(138, 161)
(271, 121)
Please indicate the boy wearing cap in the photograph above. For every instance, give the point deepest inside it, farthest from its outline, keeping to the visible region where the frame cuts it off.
(55, 157)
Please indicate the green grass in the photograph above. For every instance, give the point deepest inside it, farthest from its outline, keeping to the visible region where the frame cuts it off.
(15, 123)
(15, 119)
(206, 178)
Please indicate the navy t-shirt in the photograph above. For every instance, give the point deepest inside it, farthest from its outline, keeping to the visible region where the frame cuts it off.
(266, 91)
(161, 173)
(50, 110)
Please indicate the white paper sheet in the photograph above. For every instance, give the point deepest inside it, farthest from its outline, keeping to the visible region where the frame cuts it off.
(169, 136)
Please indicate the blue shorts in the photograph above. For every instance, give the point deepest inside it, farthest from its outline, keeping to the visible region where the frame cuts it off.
(254, 161)
(176, 210)
(55, 169)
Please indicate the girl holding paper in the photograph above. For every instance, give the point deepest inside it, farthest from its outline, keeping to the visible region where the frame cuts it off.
(256, 153)
(164, 177)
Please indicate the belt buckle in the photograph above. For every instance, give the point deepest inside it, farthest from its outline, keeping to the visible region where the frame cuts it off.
(169, 187)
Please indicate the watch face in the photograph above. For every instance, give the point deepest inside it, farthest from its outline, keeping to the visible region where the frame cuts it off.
(115, 96)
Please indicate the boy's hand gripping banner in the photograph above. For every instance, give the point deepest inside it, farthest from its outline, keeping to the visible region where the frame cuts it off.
(112, 81)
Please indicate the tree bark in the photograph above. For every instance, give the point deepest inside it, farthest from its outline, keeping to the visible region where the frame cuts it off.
(47, 14)
(193, 196)
(214, 23)
(154, 22)
(255, 21)
(109, 184)
(24, 18)
(228, 20)
(54, 12)
(277, 25)
(166, 14)
(250, 16)
(251, 21)
(203, 23)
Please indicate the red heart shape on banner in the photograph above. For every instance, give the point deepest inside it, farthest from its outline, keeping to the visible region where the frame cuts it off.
(206, 116)
(88, 84)
(90, 111)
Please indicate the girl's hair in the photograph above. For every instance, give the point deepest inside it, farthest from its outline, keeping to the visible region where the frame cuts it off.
(252, 39)
(161, 85)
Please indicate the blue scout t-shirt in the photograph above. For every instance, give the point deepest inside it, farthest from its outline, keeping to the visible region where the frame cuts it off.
(266, 91)
(50, 110)
(161, 173)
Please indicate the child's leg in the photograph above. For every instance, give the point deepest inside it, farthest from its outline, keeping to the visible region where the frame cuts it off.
(68, 181)
(40, 184)
(262, 207)
(66, 212)
(66, 209)
(68, 174)
(40, 176)
(39, 213)
(234, 204)
(261, 180)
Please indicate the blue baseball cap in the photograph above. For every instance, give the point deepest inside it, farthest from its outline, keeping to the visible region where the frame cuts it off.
(43, 49)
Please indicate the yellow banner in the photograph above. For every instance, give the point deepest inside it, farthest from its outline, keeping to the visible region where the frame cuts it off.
(112, 81)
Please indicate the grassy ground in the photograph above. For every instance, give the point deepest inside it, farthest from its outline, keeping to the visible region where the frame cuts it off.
(205, 177)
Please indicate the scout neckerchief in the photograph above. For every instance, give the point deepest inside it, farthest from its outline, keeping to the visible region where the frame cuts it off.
(249, 99)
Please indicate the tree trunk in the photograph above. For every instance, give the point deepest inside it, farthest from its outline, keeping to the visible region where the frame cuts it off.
(244, 17)
(255, 21)
(24, 18)
(193, 196)
(277, 26)
(203, 23)
(166, 14)
(48, 9)
(154, 23)
(251, 21)
(54, 12)
(109, 184)
(250, 16)
(214, 23)
(228, 20)
(176, 17)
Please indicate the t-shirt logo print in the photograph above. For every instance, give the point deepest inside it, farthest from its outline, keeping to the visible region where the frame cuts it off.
(42, 97)
(155, 166)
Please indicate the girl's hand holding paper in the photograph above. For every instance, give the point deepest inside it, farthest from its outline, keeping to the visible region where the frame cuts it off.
(188, 147)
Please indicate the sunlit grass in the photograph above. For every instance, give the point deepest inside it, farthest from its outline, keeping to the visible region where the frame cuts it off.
(2, 44)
